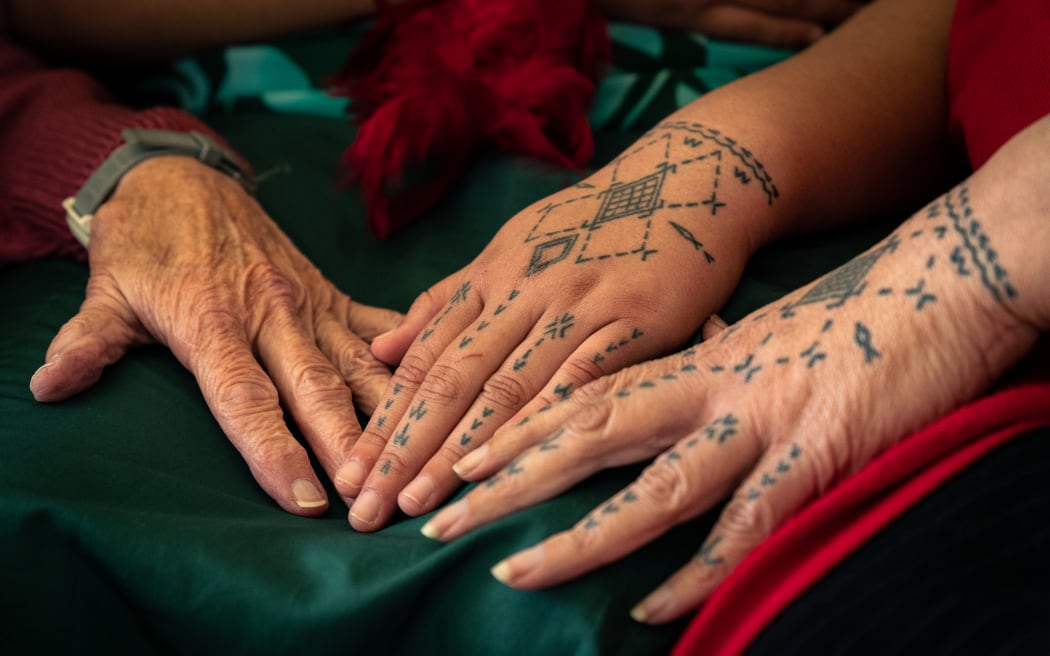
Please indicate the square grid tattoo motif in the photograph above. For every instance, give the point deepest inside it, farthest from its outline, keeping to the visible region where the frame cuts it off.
(639, 197)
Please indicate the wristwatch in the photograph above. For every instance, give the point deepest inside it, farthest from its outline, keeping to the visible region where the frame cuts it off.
(140, 145)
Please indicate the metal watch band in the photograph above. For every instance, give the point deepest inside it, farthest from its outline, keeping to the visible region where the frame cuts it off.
(140, 145)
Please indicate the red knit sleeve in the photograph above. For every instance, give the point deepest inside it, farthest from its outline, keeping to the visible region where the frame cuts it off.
(998, 72)
(56, 127)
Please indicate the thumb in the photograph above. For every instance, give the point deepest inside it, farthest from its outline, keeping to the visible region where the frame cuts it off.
(391, 346)
(713, 327)
(97, 336)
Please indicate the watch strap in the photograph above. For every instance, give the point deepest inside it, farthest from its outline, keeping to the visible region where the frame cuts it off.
(140, 145)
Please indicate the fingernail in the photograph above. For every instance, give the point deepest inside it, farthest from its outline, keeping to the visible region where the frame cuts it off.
(50, 363)
(718, 321)
(382, 336)
(306, 494)
(366, 508)
(653, 606)
(439, 524)
(501, 572)
(520, 564)
(351, 477)
(470, 462)
(419, 491)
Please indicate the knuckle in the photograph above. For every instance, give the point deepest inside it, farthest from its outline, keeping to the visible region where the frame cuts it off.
(412, 370)
(582, 539)
(750, 520)
(425, 302)
(359, 359)
(390, 464)
(371, 441)
(592, 418)
(312, 378)
(270, 449)
(582, 370)
(450, 452)
(266, 284)
(240, 393)
(506, 391)
(443, 384)
(703, 571)
(666, 481)
(596, 390)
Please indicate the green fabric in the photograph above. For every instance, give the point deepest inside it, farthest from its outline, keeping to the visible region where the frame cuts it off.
(128, 523)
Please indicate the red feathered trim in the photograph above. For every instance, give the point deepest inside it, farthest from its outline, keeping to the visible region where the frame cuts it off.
(435, 80)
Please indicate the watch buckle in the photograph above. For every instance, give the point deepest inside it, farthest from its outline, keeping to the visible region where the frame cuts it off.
(79, 224)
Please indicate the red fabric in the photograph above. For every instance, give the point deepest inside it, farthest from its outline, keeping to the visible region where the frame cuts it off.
(998, 71)
(56, 127)
(833, 526)
(998, 84)
(435, 80)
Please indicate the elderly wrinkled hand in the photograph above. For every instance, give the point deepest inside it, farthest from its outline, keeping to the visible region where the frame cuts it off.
(182, 255)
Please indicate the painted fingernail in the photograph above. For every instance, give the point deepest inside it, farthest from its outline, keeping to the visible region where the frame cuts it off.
(418, 493)
(651, 608)
(306, 494)
(520, 564)
(350, 478)
(366, 508)
(440, 523)
(468, 463)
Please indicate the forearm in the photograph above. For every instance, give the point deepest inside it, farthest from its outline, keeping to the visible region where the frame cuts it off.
(158, 29)
(853, 127)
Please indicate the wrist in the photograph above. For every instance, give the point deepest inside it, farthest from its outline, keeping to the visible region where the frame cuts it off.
(140, 146)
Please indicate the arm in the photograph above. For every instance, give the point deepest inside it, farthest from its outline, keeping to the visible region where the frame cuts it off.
(633, 259)
(155, 30)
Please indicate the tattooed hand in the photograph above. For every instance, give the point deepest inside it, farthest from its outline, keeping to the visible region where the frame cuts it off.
(781, 405)
(619, 268)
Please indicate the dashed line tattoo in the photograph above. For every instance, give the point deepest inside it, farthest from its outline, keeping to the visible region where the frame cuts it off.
(637, 197)
(636, 333)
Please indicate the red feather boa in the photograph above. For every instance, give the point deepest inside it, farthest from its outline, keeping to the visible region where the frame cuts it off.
(436, 80)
